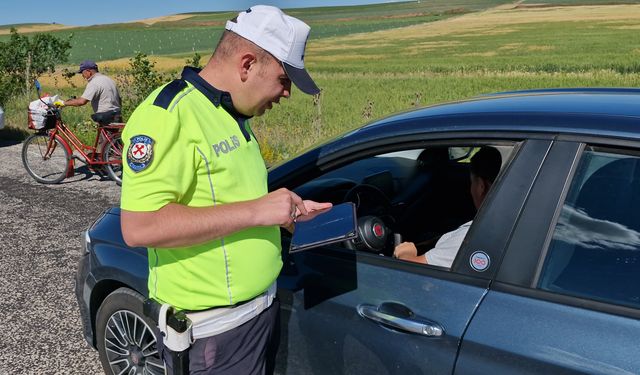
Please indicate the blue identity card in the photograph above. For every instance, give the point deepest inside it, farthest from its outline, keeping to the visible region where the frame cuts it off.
(335, 224)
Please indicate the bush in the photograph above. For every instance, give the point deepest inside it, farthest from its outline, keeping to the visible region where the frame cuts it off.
(138, 82)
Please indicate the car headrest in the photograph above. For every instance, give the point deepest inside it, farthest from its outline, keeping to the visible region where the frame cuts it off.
(433, 156)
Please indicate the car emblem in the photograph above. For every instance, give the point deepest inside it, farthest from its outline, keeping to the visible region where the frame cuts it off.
(479, 261)
(378, 230)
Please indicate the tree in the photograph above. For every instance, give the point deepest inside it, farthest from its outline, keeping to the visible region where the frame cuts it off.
(194, 61)
(22, 59)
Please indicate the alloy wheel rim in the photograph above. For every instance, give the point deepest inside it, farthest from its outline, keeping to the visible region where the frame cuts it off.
(131, 346)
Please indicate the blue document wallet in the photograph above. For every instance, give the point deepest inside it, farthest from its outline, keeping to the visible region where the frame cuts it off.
(335, 224)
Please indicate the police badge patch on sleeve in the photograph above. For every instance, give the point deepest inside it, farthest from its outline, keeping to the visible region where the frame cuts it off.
(140, 153)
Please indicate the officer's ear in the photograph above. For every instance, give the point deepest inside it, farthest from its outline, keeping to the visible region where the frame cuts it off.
(247, 65)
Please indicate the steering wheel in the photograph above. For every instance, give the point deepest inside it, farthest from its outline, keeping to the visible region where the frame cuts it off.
(373, 208)
(369, 200)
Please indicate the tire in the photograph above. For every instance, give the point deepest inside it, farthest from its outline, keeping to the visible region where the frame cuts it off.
(126, 339)
(51, 170)
(112, 151)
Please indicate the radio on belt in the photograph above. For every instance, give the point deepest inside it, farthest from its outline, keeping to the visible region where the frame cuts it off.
(176, 329)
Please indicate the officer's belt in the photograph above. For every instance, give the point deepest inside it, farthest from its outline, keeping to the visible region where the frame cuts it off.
(222, 319)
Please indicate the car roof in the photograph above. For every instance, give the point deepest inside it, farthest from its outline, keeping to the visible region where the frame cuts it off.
(604, 101)
(609, 112)
(612, 113)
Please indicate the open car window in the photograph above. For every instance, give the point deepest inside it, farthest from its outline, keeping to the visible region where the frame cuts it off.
(415, 195)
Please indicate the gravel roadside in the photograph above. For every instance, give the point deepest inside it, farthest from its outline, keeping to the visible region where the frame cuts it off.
(40, 236)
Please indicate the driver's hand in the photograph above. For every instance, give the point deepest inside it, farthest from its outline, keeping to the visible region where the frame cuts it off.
(59, 103)
(405, 250)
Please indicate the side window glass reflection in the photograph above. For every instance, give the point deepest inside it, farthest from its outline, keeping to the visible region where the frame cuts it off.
(595, 249)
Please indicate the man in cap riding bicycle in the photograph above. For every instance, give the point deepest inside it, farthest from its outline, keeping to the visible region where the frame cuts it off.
(101, 91)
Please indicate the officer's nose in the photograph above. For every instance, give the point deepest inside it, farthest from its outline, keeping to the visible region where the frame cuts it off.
(286, 90)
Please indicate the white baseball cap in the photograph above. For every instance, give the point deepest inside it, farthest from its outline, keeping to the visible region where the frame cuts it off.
(283, 36)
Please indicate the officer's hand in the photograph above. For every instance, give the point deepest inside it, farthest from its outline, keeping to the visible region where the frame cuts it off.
(313, 209)
(279, 207)
(405, 250)
(59, 103)
(313, 206)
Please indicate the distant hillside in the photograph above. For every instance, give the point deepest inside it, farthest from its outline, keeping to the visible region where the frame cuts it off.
(543, 3)
(184, 34)
(17, 25)
(576, 39)
(33, 28)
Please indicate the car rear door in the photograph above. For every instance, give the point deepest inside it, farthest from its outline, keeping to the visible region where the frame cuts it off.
(353, 312)
(566, 299)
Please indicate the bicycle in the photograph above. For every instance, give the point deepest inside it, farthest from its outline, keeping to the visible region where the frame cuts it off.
(48, 155)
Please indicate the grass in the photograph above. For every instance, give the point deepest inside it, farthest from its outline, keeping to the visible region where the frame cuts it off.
(402, 64)
(498, 50)
(296, 124)
(541, 40)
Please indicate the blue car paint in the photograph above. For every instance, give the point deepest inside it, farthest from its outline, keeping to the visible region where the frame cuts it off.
(520, 335)
(332, 336)
(108, 265)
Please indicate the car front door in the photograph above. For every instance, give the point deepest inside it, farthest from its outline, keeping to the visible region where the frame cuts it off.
(357, 312)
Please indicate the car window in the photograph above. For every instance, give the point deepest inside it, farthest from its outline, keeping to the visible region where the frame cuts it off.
(419, 194)
(594, 252)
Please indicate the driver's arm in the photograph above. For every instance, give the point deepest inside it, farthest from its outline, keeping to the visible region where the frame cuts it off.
(408, 251)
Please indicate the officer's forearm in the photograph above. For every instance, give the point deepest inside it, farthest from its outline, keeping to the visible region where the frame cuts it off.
(176, 225)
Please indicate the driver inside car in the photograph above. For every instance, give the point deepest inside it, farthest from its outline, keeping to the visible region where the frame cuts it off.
(484, 168)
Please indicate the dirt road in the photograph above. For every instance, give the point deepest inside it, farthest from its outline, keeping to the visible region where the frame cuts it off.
(40, 242)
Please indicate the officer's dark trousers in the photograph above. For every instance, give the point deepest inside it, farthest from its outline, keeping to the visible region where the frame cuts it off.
(248, 349)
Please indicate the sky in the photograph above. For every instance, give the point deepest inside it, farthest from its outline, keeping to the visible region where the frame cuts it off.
(92, 12)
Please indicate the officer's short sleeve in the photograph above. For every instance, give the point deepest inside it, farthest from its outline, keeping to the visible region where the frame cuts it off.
(157, 162)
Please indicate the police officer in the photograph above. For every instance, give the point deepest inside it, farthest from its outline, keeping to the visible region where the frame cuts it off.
(195, 191)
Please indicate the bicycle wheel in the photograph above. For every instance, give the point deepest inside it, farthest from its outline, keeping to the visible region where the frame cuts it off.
(112, 154)
(47, 166)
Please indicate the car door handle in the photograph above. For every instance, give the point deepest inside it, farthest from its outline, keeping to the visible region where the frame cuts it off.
(401, 318)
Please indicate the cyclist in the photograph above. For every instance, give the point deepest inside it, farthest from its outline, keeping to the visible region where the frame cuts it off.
(101, 91)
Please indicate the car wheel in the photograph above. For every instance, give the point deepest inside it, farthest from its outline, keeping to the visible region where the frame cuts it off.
(126, 339)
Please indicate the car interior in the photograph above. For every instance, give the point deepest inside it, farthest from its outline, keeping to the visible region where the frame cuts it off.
(417, 194)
